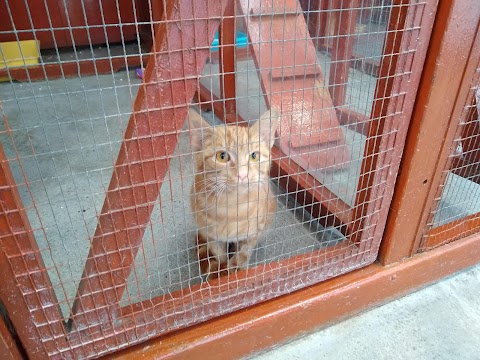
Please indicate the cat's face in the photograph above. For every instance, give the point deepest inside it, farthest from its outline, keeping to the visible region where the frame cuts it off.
(234, 155)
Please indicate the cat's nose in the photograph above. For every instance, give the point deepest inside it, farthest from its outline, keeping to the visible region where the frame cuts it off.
(242, 175)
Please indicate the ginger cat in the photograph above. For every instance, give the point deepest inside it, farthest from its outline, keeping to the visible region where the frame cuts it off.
(231, 196)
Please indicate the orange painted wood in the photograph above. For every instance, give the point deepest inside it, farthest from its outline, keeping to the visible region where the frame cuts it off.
(179, 52)
(467, 166)
(25, 288)
(353, 120)
(273, 275)
(58, 23)
(99, 22)
(227, 34)
(8, 347)
(392, 108)
(243, 333)
(292, 81)
(323, 204)
(208, 101)
(240, 55)
(368, 66)
(342, 48)
(434, 125)
(317, 12)
(452, 231)
(464, 97)
(165, 314)
(380, 109)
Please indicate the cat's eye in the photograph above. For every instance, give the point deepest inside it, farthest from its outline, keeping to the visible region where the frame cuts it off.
(254, 156)
(222, 156)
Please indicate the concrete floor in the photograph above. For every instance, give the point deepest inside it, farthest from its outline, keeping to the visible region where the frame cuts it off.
(440, 322)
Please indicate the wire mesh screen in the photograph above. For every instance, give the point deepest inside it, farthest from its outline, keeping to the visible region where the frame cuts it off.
(176, 161)
(456, 210)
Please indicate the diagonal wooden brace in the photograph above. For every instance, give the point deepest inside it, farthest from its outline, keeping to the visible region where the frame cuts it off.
(180, 50)
(293, 81)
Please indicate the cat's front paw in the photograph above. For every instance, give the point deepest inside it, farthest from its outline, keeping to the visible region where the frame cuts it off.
(209, 264)
(239, 261)
(216, 269)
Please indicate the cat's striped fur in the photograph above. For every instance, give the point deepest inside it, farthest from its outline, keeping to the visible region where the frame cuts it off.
(231, 200)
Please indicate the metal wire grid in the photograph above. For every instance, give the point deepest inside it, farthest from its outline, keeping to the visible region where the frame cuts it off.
(457, 204)
(61, 139)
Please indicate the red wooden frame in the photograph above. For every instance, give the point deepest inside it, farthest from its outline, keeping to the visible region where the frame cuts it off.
(27, 292)
(9, 349)
(437, 113)
(342, 47)
(438, 235)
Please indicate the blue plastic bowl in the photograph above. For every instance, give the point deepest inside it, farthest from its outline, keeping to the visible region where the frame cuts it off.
(241, 40)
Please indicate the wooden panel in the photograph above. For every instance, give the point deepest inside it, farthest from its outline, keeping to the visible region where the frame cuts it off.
(391, 113)
(380, 110)
(321, 203)
(454, 230)
(33, 14)
(25, 288)
(467, 166)
(433, 127)
(309, 130)
(342, 49)
(227, 52)
(62, 24)
(100, 16)
(8, 347)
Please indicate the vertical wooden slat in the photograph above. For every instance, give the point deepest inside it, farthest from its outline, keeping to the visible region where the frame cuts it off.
(180, 51)
(25, 288)
(342, 49)
(380, 110)
(227, 35)
(393, 107)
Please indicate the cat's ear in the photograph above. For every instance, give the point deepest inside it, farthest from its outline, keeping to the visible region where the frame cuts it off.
(199, 128)
(267, 125)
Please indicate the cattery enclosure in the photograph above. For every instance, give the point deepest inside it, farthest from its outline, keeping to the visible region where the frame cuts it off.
(97, 165)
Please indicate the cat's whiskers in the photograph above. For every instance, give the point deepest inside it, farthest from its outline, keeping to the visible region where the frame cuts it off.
(214, 186)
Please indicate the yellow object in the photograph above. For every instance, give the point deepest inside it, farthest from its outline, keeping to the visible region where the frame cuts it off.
(18, 53)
